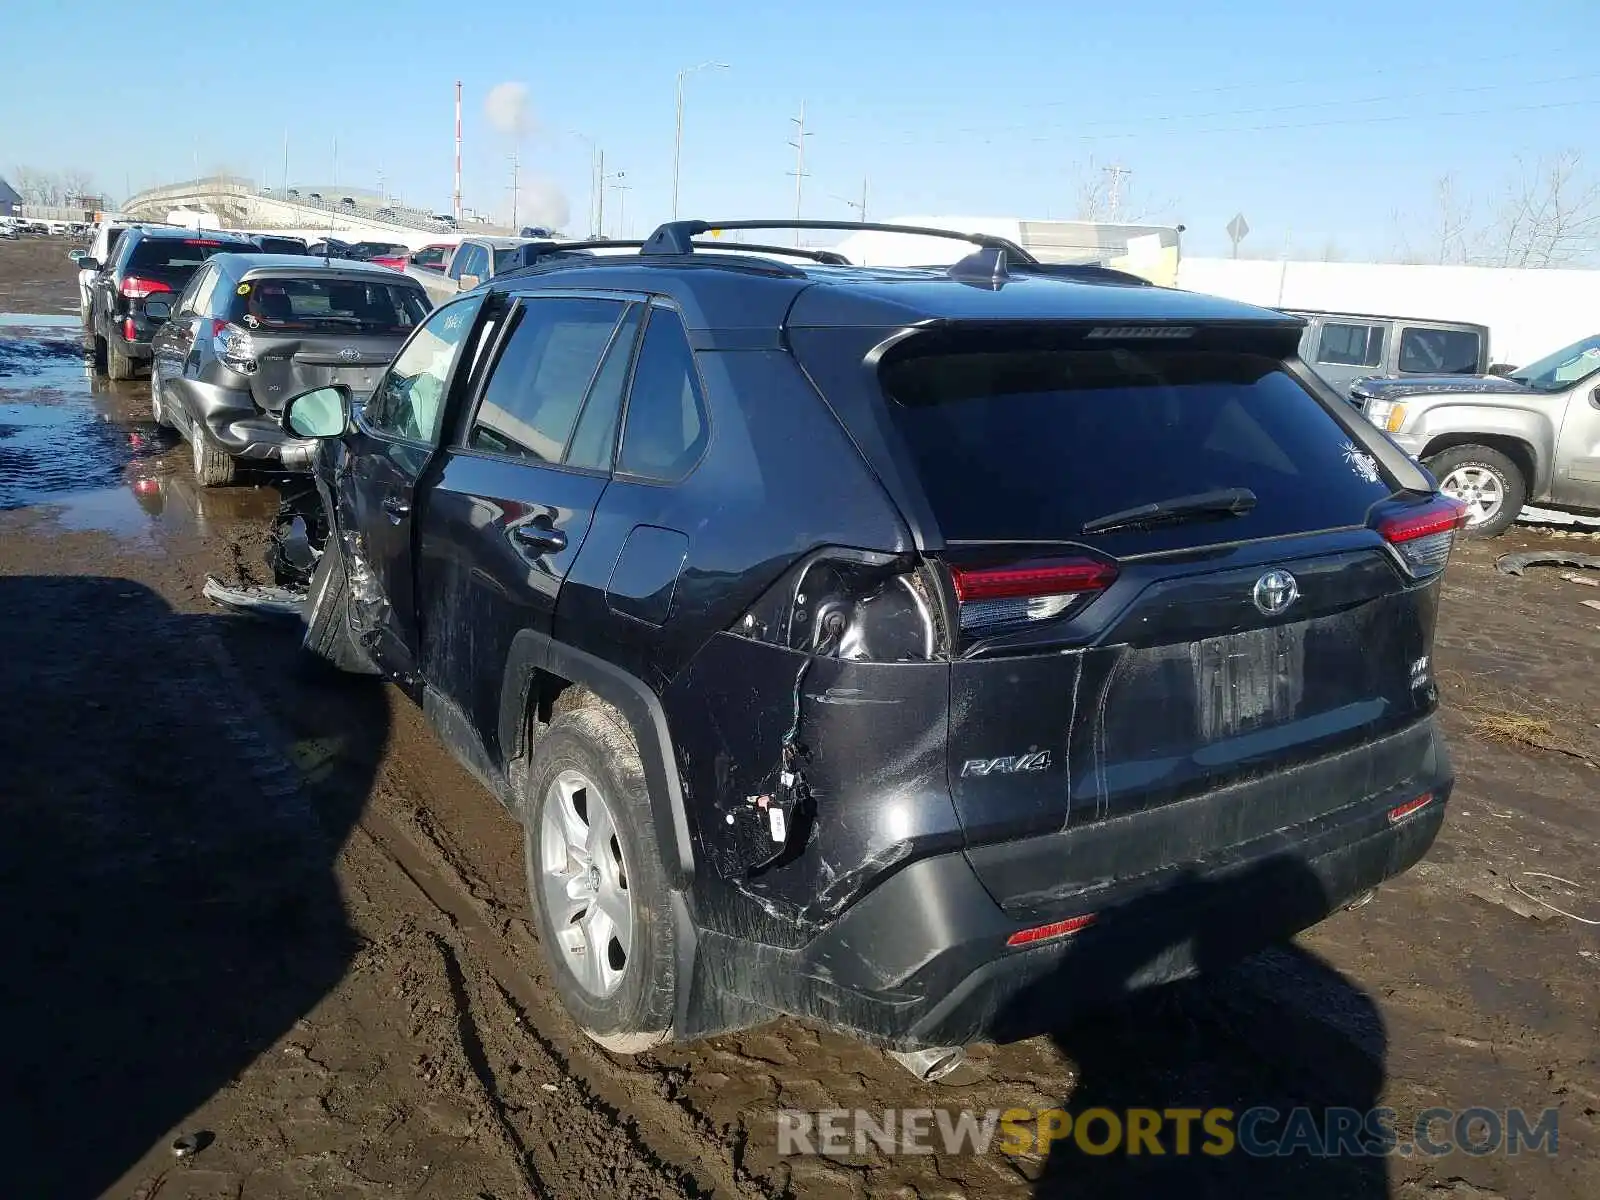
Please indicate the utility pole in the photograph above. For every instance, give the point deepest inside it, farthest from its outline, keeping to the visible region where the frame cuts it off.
(458, 153)
(286, 159)
(600, 194)
(799, 171)
(622, 207)
(677, 139)
(1116, 175)
(514, 166)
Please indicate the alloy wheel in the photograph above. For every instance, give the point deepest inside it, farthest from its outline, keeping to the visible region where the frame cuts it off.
(585, 883)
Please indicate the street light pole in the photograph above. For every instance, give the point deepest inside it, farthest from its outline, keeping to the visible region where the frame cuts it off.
(677, 140)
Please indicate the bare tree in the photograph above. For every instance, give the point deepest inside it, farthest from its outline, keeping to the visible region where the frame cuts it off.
(1550, 215)
(49, 187)
(1452, 239)
(1105, 192)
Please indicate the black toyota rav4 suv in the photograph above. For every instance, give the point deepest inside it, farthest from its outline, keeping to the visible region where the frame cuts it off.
(929, 652)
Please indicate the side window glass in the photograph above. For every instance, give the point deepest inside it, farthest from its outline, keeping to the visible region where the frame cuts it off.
(410, 398)
(1438, 351)
(666, 427)
(458, 260)
(198, 287)
(536, 387)
(205, 295)
(595, 439)
(1351, 345)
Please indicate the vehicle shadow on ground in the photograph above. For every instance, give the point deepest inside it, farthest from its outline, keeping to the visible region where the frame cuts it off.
(1282, 1031)
(168, 906)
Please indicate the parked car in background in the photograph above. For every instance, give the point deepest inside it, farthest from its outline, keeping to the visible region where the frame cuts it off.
(102, 247)
(1345, 347)
(729, 575)
(476, 260)
(433, 257)
(252, 330)
(385, 254)
(329, 248)
(1499, 442)
(8, 230)
(131, 297)
(275, 243)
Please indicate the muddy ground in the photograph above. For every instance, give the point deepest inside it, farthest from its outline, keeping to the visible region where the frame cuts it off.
(243, 899)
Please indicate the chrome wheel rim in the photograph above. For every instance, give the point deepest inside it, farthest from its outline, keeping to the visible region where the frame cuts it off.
(196, 451)
(155, 396)
(584, 879)
(1479, 488)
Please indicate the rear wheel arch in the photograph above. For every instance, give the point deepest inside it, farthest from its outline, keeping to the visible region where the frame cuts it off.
(544, 677)
(1520, 452)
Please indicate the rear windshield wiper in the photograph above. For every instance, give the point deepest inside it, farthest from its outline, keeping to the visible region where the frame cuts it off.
(1224, 502)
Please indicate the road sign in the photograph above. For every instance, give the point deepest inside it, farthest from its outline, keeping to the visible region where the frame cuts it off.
(1237, 229)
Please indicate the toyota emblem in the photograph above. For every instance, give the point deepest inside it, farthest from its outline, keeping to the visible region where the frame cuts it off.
(1275, 592)
(349, 354)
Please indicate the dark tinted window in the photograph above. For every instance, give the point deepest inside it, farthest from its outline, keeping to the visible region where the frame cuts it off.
(506, 258)
(666, 428)
(470, 260)
(1438, 351)
(277, 245)
(176, 254)
(1351, 345)
(595, 439)
(432, 258)
(368, 307)
(112, 238)
(537, 385)
(1035, 443)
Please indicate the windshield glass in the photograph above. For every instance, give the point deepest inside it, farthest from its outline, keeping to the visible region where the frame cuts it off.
(327, 304)
(1567, 366)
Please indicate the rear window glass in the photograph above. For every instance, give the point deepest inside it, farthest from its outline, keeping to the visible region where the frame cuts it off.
(1438, 352)
(176, 254)
(328, 304)
(505, 260)
(272, 245)
(1032, 444)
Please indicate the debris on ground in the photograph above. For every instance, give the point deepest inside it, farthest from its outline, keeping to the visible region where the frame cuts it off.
(1516, 564)
(255, 598)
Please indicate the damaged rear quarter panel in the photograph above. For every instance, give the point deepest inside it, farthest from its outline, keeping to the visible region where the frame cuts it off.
(871, 741)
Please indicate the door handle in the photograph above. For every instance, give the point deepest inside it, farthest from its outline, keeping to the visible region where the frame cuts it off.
(542, 536)
(397, 508)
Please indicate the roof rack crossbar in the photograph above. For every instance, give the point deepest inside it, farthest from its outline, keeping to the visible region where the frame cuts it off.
(676, 237)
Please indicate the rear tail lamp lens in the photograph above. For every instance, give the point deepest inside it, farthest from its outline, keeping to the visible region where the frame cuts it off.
(233, 346)
(1401, 811)
(129, 332)
(1002, 599)
(135, 288)
(1424, 534)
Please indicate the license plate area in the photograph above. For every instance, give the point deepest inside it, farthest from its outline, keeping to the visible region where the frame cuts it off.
(1246, 681)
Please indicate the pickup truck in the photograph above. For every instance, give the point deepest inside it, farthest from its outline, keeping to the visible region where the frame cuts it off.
(1532, 437)
(476, 260)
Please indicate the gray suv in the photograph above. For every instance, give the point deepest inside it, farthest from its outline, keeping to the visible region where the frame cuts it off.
(1499, 443)
(1345, 347)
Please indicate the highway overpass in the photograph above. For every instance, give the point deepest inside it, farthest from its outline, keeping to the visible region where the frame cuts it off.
(239, 203)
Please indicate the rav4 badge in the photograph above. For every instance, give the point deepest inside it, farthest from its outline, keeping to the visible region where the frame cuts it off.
(1015, 764)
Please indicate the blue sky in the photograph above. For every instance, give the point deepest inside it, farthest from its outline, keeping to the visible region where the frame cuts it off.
(1322, 123)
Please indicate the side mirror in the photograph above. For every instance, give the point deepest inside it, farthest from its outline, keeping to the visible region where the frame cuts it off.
(468, 282)
(322, 412)
(77, 255)
(88, 264)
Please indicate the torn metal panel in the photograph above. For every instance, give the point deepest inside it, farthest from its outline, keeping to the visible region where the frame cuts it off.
(1516, 564)
(256, 599)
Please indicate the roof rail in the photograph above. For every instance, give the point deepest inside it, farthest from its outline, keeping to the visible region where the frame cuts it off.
(676, 237)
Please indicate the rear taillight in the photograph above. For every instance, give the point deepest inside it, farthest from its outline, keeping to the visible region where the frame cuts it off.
(1001, 599)
(233, 346)
(135, 288)
(1401, 811)
(1423, 534)
(129, 333)
(852, 605)
(1045, 933)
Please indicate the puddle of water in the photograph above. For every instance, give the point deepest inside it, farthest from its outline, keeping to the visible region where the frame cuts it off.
(113, 510)
(40, 320)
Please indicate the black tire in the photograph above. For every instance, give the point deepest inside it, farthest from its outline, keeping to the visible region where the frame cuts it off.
(328, 635)
(638, 1014)
(1513, 485)
(118, 364)
(97, 355)
(213, 466)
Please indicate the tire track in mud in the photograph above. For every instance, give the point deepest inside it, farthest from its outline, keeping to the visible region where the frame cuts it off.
(630, 1153)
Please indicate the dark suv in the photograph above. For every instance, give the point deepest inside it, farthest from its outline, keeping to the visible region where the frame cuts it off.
(131, 296)
(929, 652)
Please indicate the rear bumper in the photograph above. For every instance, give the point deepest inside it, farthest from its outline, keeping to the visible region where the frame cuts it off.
(922, 960)
(234, 421)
